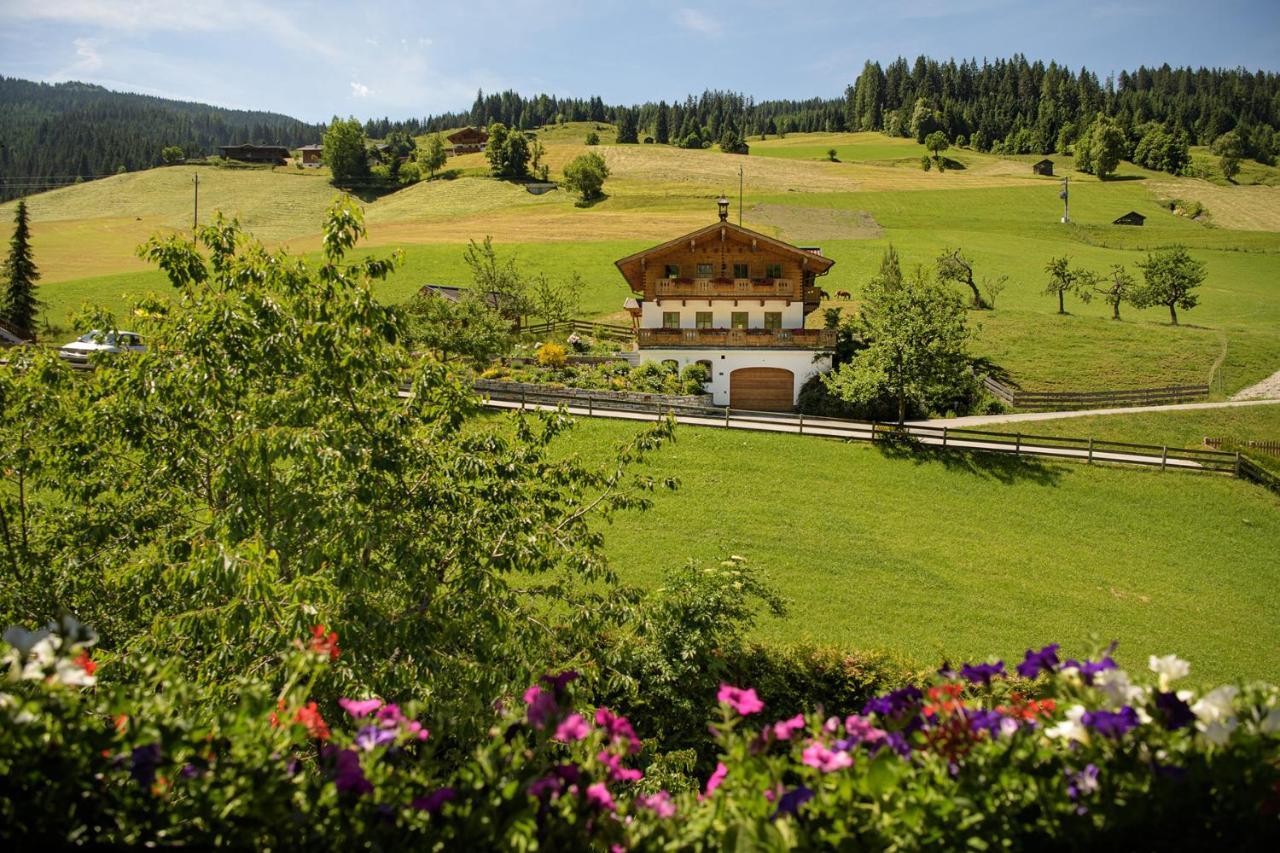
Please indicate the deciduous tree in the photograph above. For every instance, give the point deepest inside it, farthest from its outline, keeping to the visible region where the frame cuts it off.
(953, 266)
(1115, 287)
(1170, 275)
(1062, 280)
(345, 150)
(586, 174)
(1230, 151)
(432, 156)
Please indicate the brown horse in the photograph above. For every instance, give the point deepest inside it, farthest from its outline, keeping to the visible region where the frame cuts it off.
(844, 294)
(823, 295)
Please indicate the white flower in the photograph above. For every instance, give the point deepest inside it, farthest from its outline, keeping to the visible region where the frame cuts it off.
(1270, 724)
(1169, 668)
(1216, 705)
(42, 655)
(72, 674)
(1218, 732)
(1071, 728)
(1115, 685)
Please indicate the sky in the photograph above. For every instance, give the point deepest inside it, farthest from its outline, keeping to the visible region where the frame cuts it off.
(314, 60)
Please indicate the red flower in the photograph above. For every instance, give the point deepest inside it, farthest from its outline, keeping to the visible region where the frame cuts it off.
(275, 715)
(309, 716)
(84, 663)
(323, 643)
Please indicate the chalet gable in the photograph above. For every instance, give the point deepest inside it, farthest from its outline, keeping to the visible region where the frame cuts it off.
(722, 243)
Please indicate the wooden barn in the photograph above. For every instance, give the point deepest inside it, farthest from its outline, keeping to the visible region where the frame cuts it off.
(277, 155)
(1044, 167)
(1131, 218)
(467, 141)
(312, 155)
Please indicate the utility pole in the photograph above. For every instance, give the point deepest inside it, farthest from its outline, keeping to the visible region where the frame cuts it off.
(1066, 214)
(739, 195)
(195, 205)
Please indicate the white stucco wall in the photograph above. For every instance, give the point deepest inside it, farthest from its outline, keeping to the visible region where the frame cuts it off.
(721, 309)
(801, 363)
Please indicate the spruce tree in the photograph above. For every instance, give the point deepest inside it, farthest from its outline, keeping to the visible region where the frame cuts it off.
(20, 274)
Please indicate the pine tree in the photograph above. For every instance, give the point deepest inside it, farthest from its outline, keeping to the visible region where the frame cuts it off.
(20, 274)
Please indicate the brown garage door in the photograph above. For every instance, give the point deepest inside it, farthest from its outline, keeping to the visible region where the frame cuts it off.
(761, 389)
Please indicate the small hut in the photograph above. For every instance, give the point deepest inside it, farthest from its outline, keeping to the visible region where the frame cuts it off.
(1131, 218)
(1044, 167)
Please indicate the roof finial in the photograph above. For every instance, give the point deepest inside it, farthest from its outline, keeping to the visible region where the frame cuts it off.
(723, 204)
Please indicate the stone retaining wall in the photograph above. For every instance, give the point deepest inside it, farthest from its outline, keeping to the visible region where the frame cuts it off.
(532, 389)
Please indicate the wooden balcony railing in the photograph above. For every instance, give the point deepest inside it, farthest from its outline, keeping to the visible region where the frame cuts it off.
(768, 338)
(775, 288)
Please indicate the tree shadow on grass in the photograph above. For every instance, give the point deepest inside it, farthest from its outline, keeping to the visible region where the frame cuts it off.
(1006, 468)
(591, 202)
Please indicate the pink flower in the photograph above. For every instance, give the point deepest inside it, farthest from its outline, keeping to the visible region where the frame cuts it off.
(617, 772)
(542, 704)
(659, 803)
(416, 730)
(598, 795)
(784, 729)
(572, 728)
(714, 782)
(617, 728)
(743, 701)
(358, 708)
(826, 760)
(861, 730)
(389, 716)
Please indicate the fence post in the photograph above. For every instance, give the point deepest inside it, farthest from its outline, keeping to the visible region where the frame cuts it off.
(1238, 475)
(802, 423)
(726, 416)
(1164, 457)
(873, 430)
(944, 436)
(1017, 445)
(1090, 450)
(522, 399)
(590, 405)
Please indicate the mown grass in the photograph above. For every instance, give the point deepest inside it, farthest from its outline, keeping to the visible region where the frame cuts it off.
(953, 556)
(1174, 429)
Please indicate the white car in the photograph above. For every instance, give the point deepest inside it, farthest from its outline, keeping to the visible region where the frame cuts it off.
(80, 349)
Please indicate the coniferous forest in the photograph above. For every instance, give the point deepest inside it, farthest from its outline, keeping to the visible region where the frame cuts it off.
(56, 133)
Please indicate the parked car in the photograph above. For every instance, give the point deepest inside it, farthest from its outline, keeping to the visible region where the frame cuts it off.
(80, 349)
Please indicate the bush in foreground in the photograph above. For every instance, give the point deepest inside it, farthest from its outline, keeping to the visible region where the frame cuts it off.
(1088, 757)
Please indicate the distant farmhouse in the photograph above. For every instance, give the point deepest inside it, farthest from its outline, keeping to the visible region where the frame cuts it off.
(734, 301)
(1131, 218)
(277, 155)
(312, 155)
(1044, 167)
(492, 298)
(469, 140)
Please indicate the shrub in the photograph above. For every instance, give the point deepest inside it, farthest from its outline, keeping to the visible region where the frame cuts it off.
(926, 163)
(831, 155)
(409, 173)
(551, 355)
(593, 138)
(694, 377)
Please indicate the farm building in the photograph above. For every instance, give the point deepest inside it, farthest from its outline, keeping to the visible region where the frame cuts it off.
(312, 155)
(452, 293)
(1044, 167)
(734, 301)
(467, 141)
(1131, 218)
(274, 154)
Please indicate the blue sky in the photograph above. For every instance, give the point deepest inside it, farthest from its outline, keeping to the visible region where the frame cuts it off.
(314, 60)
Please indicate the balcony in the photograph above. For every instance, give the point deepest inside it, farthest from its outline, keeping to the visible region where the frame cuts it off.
(732, 338)
(745, 288)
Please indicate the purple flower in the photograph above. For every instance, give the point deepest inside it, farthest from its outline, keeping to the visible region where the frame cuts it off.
(984, 720)
(791, 801)
(145, 760)
(1174, 713)
(544, 786)
(567, 772)
(895, 704)
(541, 705)
(559, 682)
(348, 775)
(372, 737)
(1045, 660)
(572, 728)
(432, 802)
(982, 673)
(389, 716)
(617, 728)
(1083, 782)
(190, 771)
(1112, 724)
(359, 708)
(1088, 669)
(742, 701)
(659, 803)
(617, 772)
(598, 795)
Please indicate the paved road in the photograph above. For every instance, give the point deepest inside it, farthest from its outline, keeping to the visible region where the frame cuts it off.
(763, 423)
(982, 420)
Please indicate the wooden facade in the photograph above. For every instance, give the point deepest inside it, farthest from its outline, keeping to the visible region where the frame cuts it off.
(1044, 167)
(311, 155)
(468, 140)
(275, 154)
(1131, 218)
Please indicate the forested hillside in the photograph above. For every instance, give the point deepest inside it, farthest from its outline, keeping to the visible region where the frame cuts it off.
(52, 134)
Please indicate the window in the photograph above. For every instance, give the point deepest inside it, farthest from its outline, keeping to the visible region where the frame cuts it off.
(740, 271)
(773, 270)
(773, 320)
(704, 270)
(738, 320)
(703, 320)
(670, 319)
(672, 271)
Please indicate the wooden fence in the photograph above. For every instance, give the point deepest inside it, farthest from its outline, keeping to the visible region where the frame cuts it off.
(1076, 399)
(582, 327)
(940, 437)
(1271, 448)
(1247, 469)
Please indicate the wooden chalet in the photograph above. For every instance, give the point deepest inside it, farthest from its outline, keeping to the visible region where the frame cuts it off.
(311, 155)
(1044, 167)
(469, 140)
(735, 301)
(277, 155)
(1131, 218)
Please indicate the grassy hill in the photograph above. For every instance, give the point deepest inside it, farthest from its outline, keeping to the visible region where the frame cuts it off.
(1003, 216)
(954, 557)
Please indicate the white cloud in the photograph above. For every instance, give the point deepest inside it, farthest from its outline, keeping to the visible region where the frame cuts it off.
(87, 51)
(697, 22)
(360, 90)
